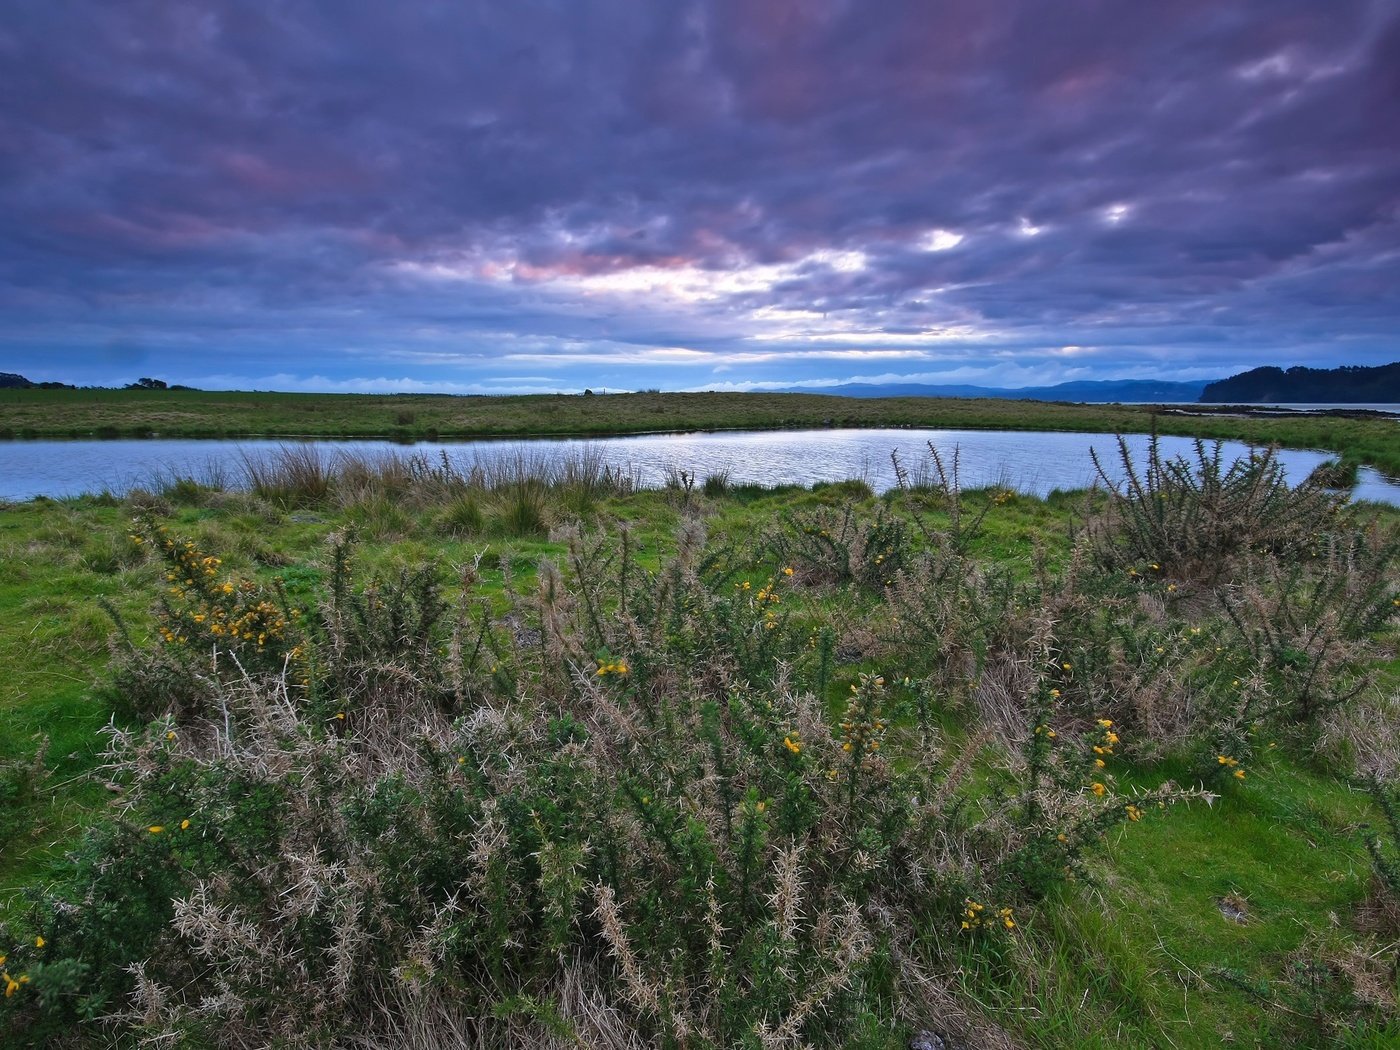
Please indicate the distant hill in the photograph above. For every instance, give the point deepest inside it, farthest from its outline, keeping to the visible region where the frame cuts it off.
(1095, 392)
(14, 381)
(1350, 384)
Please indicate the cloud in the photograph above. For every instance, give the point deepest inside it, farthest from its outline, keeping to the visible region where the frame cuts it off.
(639, 194)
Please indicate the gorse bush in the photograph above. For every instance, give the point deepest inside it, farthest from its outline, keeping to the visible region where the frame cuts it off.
(751, 794)
(1385, 852)
(396, 805)
(1192, 519)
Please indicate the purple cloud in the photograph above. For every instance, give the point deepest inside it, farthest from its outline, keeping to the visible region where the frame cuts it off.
(549, 195)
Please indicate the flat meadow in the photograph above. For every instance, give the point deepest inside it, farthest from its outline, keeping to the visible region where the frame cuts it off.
(376, 753)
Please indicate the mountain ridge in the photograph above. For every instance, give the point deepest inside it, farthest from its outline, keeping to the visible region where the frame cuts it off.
(1104, 391)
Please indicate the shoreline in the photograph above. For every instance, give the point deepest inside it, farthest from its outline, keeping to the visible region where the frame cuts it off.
(1364, 436)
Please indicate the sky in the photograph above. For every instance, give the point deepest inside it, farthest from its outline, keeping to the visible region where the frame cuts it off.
(553, 195)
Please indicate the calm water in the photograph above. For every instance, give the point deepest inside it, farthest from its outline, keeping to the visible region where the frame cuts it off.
(1032, 462)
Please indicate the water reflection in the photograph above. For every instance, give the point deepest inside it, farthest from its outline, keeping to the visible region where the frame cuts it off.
(1029, 461)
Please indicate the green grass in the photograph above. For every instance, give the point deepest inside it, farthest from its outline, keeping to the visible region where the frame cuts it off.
(143, 413)
(1139, 955)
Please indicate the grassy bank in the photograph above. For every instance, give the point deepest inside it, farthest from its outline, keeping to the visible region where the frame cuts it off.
(505, 760)
(141, 413)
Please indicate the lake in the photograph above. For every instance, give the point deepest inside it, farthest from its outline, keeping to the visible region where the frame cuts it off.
(1033, 462)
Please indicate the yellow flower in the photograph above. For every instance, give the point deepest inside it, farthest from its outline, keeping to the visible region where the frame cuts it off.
(1133, 812)
(760, 807)
(1061, 837)
(792, 745)
(170, 735)
(787, 570)
(156, 829)
(39, 942)
(1106, 723)
(1065, 666)
(185, 824)
(1239, 774)
(340, 716)
(1098, 789)
(1054, 692)
(1098, 763)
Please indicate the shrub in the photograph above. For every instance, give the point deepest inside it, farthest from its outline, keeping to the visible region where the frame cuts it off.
(1193, 519)
(1385, 857)
(622, 803)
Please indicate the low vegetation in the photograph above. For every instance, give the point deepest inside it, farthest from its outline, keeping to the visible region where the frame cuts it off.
(397, 756)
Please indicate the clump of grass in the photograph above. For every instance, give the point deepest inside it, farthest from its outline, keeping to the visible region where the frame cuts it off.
(462, 516)
(20, 783)
(716, 484)
(520, 510)
(295, 476)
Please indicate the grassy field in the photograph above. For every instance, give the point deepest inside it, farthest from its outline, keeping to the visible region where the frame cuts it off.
(142, 413)
(434, 761)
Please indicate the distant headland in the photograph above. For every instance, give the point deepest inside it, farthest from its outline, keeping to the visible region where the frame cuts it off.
(1347, 385)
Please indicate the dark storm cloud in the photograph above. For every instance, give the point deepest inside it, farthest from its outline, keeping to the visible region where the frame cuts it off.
(446, 192)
